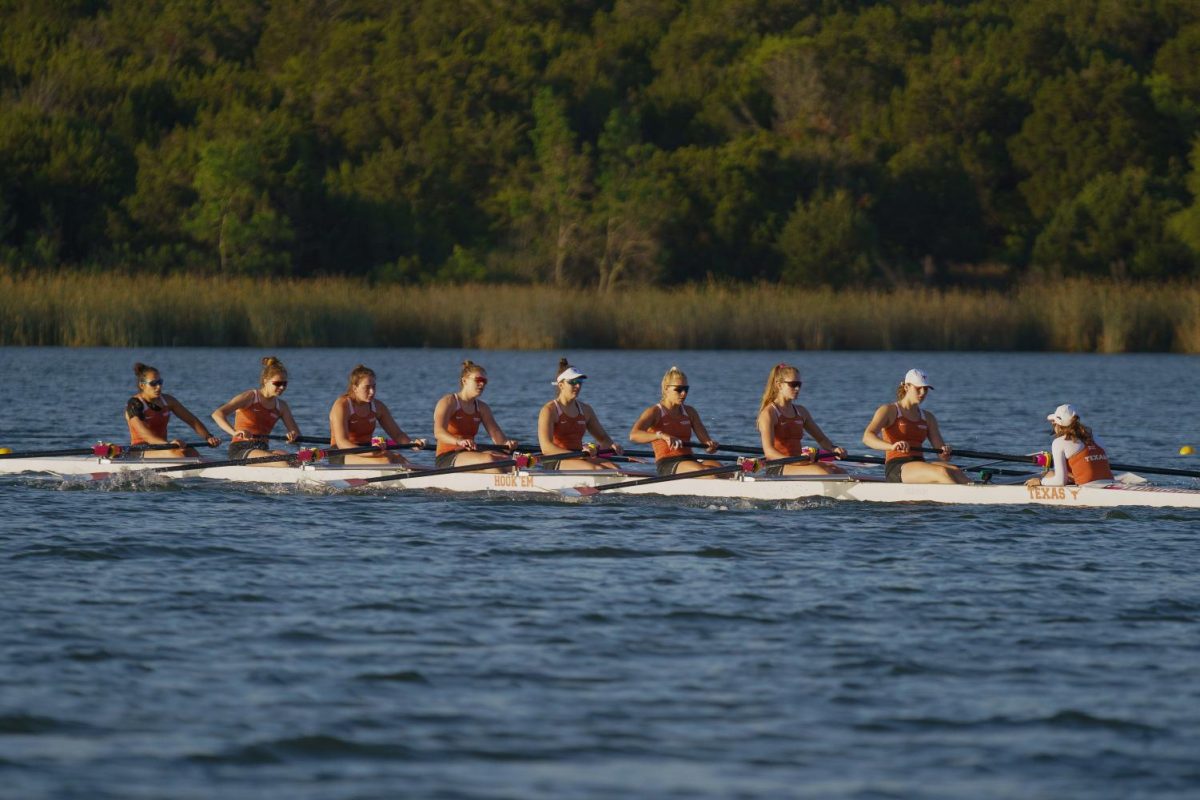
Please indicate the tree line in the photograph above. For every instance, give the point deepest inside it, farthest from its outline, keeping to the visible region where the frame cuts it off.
(603, 142)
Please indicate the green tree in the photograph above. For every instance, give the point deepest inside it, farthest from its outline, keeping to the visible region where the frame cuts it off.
(827, 240)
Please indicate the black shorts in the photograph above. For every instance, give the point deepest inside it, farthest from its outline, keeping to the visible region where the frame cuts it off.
(241, 449)
(891, 470)
(446, 460)
(669, 466)
(776, 469)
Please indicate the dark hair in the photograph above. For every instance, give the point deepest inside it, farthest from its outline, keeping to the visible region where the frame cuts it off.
(142, 370)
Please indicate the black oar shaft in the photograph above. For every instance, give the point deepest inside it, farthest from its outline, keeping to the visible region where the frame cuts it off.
(429, 473)
(699, 473)
(88, 451)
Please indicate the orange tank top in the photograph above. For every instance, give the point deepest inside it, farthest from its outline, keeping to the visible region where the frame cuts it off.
(913, 431)
(361, 427)
(568, 431)
(461, 425)
(788, 432)
(256, 420)
(154, 417)
(678, 427)
(1090, 464)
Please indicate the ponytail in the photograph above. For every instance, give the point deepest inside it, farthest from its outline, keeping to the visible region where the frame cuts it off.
(772, 387)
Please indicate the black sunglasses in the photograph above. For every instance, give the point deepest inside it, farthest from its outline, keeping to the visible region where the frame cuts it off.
(156, 382)
(794, 384)
(681, 389)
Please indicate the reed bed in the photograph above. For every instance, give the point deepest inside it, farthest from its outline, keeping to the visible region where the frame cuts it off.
(105, 309)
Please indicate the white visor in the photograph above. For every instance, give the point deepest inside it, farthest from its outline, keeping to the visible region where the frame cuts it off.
(568, 374)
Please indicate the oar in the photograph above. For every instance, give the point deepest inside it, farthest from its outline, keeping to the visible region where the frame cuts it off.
(102, 450)
(521, 460)
(1043, 460)
(301, 457)
(975, 468)
(276, 437)
(743, 465)
(702, 456)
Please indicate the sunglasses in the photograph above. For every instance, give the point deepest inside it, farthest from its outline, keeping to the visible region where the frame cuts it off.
(481, 381)
(681, 389)
(279, 384)
(156, 382)
(794, 384)
(576, 382)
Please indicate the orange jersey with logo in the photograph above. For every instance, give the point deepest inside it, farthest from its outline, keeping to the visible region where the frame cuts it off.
(913, 431)
(1090, 464)
(359, 425)
(461, 425)
(678, 427)
(256, 420)
(154, 417)
(568, 431)
(788, 432)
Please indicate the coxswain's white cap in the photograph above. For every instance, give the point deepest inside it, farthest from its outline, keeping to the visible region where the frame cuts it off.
(568, 374)
(1064, 415)
(917, 377)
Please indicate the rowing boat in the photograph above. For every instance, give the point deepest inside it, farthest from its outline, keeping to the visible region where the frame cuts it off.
(565, 483)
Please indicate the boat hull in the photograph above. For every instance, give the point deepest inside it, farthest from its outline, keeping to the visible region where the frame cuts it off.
(567, 483)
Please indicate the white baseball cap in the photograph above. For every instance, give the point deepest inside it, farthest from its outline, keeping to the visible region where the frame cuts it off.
(916, 377)
(1064, 415)
(568, 374)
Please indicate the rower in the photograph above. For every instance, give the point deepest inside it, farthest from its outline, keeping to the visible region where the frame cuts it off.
(353, 418)
(148, 412)
(563, 421)
(782, 425)
(255, 413)
(456, 421)
(1075, 454)
(669, 425)
(898, 427)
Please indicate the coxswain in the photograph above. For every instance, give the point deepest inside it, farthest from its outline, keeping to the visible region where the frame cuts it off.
(1075, 455)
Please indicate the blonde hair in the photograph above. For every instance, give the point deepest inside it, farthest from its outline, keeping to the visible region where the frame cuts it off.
(358, 374)
(142, 370)
(469, 368)
(674, 374)
(901, 391)
(772, 388)
(272, 366)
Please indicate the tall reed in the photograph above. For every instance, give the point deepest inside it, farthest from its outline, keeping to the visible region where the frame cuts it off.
(81, 308)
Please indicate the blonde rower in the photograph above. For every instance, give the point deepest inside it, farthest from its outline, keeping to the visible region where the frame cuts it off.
(669, 427)
(353, 418)
(898, 427)
(148, 412)
(255, 413)
(563, 421)
(782, 424)
(457, 418)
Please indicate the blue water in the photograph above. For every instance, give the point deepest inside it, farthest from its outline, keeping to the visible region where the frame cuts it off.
(198, 640)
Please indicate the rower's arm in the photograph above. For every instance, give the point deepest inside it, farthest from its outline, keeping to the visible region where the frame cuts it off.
(441, 415)
(935, 436)
(878, 422)
(766, 432)
(603, 440)
(710, 444)
(814, 430)
(493, 427)
(391, 427)
(339, 429)
(641, 433)
(546, 431)
(221, 415)
(143, 431)
(190, 419)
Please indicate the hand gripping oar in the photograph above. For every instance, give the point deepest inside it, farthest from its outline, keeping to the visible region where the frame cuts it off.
(102, 450)
(743, 465)
(520, 460)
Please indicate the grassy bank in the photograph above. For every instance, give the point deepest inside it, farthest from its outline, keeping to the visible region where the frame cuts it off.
(79, 309)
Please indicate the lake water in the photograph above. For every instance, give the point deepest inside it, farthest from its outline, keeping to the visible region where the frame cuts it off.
(199, 640)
